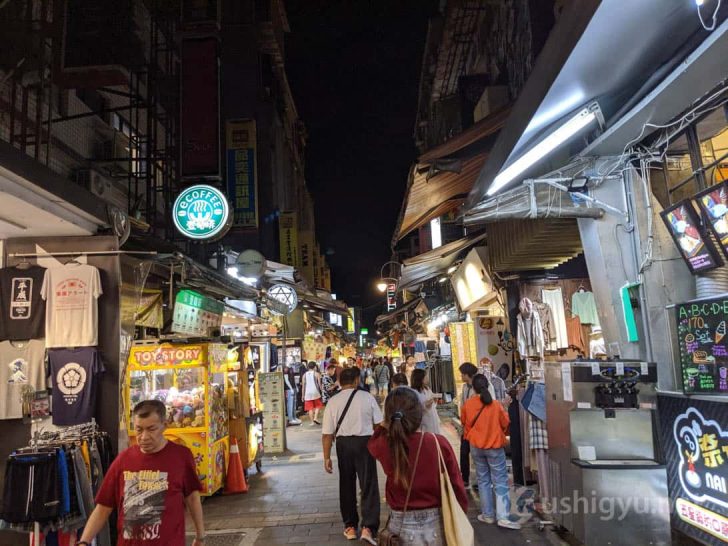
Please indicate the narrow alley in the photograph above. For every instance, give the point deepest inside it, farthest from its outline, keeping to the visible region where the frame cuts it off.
(295, 502)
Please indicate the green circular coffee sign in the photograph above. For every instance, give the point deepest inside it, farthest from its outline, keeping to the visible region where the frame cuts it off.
(201, 212)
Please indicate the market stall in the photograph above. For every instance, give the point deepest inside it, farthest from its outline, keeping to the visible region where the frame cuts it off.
(191, 381)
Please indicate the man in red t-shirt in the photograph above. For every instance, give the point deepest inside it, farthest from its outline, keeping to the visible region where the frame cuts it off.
(150, 484)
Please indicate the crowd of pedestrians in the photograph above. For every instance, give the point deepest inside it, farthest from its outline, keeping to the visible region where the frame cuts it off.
(406, 440)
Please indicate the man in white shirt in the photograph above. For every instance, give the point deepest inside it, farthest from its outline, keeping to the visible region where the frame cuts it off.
(350, 418)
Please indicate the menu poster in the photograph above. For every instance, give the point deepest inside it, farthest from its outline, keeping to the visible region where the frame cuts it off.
(701, 334)
(696, 248)
(714, 204)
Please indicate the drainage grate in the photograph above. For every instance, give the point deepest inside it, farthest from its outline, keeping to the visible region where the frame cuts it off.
(222, 539)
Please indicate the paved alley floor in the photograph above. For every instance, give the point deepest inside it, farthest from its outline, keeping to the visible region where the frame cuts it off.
(293, 501)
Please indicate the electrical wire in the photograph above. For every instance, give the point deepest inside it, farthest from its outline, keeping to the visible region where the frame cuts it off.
(714, 17)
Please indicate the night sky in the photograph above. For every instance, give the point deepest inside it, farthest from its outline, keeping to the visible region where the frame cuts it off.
(354, 69)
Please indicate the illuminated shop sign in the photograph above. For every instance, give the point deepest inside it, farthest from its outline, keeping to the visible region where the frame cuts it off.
(201, 212)
(695, 247)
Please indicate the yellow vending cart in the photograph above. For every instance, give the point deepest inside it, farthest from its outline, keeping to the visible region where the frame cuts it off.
(190, 380)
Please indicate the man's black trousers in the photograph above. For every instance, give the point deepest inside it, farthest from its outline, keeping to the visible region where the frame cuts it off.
(355, 461)
(465, 459)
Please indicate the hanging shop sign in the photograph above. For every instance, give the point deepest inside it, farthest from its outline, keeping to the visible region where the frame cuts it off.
(242, 171)
(701, 334)
(306, 239)
(288, 232)
(463, 346)
(714, 204)
(251, 264)
(196, 314)
(695, 246)
(696, 453)
(283, 295)
(391, 296)
(471, 281)
(201, 212)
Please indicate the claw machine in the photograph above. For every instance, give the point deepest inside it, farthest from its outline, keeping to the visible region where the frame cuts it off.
(191, 381)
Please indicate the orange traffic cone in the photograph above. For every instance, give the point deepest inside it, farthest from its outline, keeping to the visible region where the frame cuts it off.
(235, 482)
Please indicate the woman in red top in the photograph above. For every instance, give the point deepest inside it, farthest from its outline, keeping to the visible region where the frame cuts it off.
(485, 425)
(395, 445)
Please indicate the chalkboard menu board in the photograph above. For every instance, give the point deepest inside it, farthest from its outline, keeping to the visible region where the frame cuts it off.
(701, 331)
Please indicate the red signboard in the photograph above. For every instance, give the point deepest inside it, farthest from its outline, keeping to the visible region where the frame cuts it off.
(200, 109)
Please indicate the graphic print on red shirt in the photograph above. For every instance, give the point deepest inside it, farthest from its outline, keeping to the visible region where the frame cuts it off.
(149, 490)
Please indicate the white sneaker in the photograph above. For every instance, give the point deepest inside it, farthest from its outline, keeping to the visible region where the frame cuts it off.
(482, 518)
(508, 524)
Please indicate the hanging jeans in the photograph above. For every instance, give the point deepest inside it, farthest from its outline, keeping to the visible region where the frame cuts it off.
(492, 471)
(291, 404)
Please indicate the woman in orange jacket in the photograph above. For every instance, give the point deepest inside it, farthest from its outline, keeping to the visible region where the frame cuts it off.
(485, 425)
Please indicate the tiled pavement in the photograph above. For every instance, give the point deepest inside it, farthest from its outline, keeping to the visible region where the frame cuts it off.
(295, 502)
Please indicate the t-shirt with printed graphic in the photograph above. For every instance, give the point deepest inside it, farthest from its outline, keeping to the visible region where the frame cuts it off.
(149, 491)
(71, 293)
(21, 370)
(74, 374)
(22, 310)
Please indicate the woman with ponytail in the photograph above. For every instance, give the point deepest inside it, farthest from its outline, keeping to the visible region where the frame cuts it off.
(410, 460)
(485, 424)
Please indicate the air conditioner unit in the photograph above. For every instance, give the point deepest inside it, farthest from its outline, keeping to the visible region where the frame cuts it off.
(102, 187)
(116, 152)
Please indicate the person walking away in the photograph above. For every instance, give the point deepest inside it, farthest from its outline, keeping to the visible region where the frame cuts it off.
(367, 376)
(410, 460)
(399, 380)
(467, 372)
(382, 379)
(312, 402)
(149, 484)
(289, 386)
(349, 419)
(389, 366)
(329, 384)
(486, 424)
(430, 418)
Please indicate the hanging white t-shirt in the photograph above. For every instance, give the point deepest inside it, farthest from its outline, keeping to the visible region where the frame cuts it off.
(71, 293)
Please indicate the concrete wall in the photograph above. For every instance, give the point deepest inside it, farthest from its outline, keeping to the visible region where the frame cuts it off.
(612, 252)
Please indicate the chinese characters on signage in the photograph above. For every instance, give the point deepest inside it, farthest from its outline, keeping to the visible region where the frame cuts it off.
(695, 247)
(391, 296)
(242, 174)
(701, 333)
(696, 451)
(201, 212)
(288, 231)
(196, 314)
(307, 255)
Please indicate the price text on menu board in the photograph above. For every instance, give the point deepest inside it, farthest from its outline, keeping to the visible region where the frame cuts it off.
(701, 330)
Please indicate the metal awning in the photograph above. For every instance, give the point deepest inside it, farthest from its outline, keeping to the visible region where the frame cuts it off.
(323, 304)
(416, 305)
(609, 51)
(442, 177)
(531, 200)
(435, 262)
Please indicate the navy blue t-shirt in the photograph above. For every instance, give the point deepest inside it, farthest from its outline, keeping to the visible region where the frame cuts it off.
(74, 374)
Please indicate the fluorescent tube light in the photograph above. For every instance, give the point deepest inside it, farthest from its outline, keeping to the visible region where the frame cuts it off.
(555, 139)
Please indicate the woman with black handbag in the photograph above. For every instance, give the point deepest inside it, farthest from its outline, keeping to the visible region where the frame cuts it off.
(411, 461)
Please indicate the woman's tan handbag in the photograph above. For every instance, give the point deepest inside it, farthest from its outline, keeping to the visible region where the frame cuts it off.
(458, 530)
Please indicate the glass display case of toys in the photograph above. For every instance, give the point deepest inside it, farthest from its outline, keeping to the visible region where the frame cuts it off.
(191, 381)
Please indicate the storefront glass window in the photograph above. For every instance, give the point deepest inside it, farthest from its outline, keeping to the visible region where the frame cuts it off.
(713, 136)
(679, 171)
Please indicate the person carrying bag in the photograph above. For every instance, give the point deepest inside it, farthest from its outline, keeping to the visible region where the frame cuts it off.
(424, 490)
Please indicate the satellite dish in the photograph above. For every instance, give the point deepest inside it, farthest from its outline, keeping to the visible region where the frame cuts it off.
(251, 264)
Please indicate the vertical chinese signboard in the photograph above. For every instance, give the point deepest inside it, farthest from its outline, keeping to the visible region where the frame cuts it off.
(242, 174)
(463, 347)
(391, 296)
(270, 386)
(288, 231)
(696, 452)
(317, 283)
(703, 343)
(199, 108)
(307, 253)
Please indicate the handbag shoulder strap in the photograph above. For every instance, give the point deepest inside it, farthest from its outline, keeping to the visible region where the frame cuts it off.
(343, 414)
(412, 478)
(477, 417)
